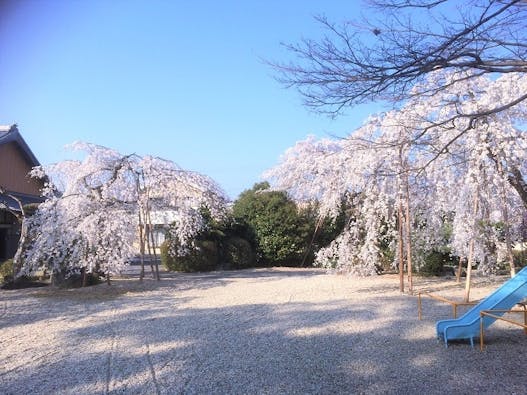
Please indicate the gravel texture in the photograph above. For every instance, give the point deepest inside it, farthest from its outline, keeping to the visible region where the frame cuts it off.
(262, 331)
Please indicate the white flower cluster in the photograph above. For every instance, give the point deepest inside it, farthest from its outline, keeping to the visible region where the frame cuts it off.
(456, 160)
(94, 208)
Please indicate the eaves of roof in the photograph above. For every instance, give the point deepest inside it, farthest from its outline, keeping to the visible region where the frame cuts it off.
(11, 134)
(24, 199)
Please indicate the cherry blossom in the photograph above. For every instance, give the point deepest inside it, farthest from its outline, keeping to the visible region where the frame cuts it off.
(97, 207)
(461, 177)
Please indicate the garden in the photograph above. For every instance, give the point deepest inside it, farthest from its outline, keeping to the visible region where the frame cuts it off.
(307, 282)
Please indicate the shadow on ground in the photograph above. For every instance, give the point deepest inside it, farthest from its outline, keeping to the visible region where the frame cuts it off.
(151, 341)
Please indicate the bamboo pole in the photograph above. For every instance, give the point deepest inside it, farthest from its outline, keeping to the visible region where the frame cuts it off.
(400, 251)
(471, 246)
(505, 215)
(151, 233)
(408, 238)
(141, 227)
(459, 269)
(149, 248)
(141, 247)
(400, 230)
(150, 241)
(315, 232)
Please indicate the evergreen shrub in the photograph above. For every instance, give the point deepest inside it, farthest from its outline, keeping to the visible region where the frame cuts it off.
(202, 257)
(434, 263)
(6, 270)
(238, 253)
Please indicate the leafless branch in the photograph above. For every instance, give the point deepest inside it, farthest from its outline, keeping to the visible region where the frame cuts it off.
(352, 65)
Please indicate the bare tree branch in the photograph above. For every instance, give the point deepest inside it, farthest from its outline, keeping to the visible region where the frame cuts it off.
(352, 65)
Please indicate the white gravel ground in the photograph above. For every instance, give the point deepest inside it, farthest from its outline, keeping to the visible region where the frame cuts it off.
(263, 331)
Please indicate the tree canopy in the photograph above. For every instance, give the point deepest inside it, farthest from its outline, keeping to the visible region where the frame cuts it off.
(452, 148)
(452, 176)
(97, 207)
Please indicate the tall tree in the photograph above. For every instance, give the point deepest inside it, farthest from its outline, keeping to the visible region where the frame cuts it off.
(96, 208)
(402, 55)
(453, 174)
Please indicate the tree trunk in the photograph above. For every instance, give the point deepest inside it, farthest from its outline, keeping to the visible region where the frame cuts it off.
(153, 245)
(84, 276)
(17, 259)
(518, 183)
(21, 218)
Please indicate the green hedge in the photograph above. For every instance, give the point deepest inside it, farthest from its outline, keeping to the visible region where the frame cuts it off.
(435, 262)
(203, 257)
(6, 270)
(238, 253)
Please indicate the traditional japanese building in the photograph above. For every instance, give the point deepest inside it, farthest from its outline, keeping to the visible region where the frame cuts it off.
(16, 160)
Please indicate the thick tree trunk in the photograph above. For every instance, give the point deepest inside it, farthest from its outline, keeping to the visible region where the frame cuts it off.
(21, 218)
(84, 277)
(17, 259)
(518, 183)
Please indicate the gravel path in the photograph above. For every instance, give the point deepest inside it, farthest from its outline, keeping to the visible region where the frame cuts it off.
(262, 331)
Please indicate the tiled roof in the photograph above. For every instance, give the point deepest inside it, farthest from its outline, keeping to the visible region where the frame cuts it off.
(25, 199)
(9, 134)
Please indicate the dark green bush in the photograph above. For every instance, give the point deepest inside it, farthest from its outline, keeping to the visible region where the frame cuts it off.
(435, 262)
(6, 270)
(203, 257)
(166, 258)
(520, 258)
(238, 253)
(278, 231)
(23, 282)
(76, 280)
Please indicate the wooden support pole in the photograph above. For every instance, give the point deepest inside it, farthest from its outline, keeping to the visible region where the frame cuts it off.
(400, 243)
(408, 238)
(506, 225)
(459, 269)
(471, 245)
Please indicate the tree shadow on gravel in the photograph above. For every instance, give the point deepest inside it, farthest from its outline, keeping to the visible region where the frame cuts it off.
(342, 346)
(254, 273)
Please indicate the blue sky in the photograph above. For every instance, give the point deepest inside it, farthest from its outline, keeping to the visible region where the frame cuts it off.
(183, 80)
